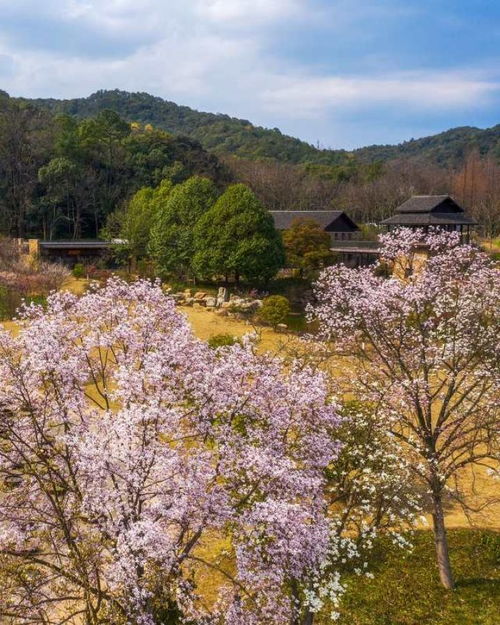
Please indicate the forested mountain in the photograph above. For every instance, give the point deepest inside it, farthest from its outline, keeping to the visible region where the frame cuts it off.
(218, 133)
(449, 148)
(225, 135)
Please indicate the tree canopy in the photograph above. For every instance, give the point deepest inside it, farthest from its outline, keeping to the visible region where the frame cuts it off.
(61, 177)
(307, 245)
(237, 237)
(172, 232)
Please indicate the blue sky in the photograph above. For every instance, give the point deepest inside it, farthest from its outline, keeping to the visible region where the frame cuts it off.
(344, 73)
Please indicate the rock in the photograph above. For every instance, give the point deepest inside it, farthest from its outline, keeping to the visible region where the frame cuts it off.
(257, 303)
(226, 305)
(222, 294)
(210, 302)
(200, 295)
(282, 327)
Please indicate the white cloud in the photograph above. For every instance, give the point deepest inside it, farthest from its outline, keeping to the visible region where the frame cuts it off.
(305, 96)
(249, 12)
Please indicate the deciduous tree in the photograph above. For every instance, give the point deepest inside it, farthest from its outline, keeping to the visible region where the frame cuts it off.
(307, 245)
(424, 349)
(127, 446)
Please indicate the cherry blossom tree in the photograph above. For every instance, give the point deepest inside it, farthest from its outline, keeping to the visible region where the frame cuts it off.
(423, 349)
(129, 450)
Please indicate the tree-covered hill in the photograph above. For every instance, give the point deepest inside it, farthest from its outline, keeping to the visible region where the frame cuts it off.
(221, 134)
(225, 135)
(448, 148)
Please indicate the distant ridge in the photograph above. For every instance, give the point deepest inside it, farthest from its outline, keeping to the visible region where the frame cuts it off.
(225, 135)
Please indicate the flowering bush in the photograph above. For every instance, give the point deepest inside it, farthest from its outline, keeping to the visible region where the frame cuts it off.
(127, 445)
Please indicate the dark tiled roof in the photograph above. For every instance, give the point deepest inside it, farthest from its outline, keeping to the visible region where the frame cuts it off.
(284, 219)
(428, 203)
(68, 245)
(428, 218)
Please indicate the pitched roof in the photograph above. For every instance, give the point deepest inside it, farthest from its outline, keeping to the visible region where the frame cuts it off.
(429, 203)
(425, 210)
(429, 219)
(284, 219)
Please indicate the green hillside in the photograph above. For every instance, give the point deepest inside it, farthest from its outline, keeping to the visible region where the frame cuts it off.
(218, 133)
(446, 148)
(225, 135)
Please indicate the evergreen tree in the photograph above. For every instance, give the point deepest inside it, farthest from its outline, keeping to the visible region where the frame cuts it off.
(172, 239)
(237, 237)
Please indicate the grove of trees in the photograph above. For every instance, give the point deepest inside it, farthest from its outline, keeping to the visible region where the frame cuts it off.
(193, 230)
(61, 177)
(137, 463)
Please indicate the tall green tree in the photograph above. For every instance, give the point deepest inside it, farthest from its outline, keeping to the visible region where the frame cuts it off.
(63, 202)
(132, 223)
(237, 237)
(172, 233)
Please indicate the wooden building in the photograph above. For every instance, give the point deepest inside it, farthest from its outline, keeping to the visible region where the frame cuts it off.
(339, 226)
(438, 211)
(72, 252)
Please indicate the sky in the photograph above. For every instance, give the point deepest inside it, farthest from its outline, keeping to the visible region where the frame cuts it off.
(337, 73)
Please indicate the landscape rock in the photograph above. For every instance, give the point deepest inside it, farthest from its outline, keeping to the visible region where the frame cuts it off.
(222, 294)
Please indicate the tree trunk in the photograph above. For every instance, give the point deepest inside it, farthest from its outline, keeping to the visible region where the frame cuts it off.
(441, 542)
(308, 619)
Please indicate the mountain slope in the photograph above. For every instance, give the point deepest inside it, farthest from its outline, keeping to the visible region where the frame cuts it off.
(446, 148)
(225, 135)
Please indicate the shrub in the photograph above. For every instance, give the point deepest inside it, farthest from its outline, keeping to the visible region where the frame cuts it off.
(221, 340)
(78, 270)
(275, 309)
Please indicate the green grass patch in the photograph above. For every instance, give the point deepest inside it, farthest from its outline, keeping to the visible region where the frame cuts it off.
(406, 588)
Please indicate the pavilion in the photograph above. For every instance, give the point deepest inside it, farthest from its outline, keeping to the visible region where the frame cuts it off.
(438, 211)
